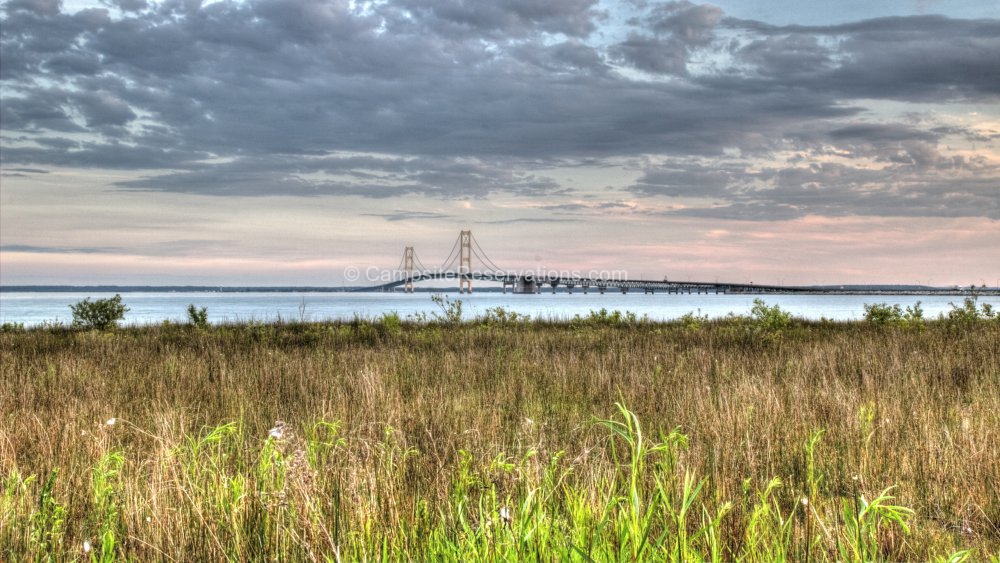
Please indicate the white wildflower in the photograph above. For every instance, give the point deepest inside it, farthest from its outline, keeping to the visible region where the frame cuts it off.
(278, 431)
(111, 421)
(805, 501)
(86, 546)
(505, 515)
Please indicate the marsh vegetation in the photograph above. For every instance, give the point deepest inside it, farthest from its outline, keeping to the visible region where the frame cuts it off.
(604, 438)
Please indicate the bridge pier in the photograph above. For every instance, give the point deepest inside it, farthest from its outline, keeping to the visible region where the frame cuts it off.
(526, 286)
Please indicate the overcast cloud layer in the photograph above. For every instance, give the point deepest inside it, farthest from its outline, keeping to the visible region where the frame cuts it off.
(707, 115)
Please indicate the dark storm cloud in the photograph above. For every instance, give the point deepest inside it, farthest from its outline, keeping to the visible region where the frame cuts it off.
(446, 178)
(46, 7)
(130, 5)
(101, 109)
(688, 181)
(504, 18)
(527, 220)
(44, 111)
(72, 63)
(651, 54)
(104, 155)
(673, 31)
(583, 207)
(467, 98)
(58, 249)
(403, 215)
(917, 186)
(880, 133)
(790, 56)
(568, 56)
(692, 24)
(28, 170)
(919, 58)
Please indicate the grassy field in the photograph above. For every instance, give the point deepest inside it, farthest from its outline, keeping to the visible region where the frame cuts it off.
(599, 439)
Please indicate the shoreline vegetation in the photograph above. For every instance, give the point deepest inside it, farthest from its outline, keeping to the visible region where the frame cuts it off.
(603, 438)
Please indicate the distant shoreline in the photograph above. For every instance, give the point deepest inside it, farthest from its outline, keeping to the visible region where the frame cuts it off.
(827, 289)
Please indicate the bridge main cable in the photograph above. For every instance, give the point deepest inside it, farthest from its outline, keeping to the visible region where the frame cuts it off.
(485, 257)
(422, 269)
(452, 256)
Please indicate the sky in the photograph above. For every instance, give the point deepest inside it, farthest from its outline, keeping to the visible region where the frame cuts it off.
(281, 142)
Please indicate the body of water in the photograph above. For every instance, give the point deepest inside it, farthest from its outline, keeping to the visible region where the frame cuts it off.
(34, 308)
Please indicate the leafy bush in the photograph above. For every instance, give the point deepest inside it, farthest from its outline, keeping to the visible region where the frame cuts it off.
(692, 320)
(102, 314)
(499, 315)
(605, 318)
(883, 314)
(451, 311)
(11, 327)
(769, 318)
(197, 317)
(969, 312)
(914, 316)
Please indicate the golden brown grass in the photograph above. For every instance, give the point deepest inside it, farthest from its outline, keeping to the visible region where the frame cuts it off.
(435, 418)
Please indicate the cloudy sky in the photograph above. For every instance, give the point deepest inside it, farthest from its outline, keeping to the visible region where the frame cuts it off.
(280, 141)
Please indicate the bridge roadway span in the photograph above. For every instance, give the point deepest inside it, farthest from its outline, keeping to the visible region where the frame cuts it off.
(534, 284)
(458, 266)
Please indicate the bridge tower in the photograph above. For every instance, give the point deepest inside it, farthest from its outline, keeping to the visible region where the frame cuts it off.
(465, 262)
(408, 268)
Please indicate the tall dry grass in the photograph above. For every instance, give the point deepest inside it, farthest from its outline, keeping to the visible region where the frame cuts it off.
(482, 440)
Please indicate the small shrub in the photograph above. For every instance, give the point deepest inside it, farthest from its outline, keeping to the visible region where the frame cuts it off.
(499, 315)
(102, 314)
(883, 314)
(11, 328)
(914, 316)
(769, 318)
(197, 318)
(605, 318)
(693, 321)
(391, 324)
(451, 311)
(969, 312)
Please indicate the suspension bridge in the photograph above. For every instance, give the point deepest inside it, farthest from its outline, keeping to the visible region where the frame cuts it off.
(468, 262)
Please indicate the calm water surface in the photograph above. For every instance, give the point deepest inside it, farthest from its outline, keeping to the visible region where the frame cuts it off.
(152, 308)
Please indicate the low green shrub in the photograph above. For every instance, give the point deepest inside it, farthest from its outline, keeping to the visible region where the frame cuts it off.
(197, 318)
(101, 314)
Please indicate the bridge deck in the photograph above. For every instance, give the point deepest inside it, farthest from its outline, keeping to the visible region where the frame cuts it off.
(571, 283)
